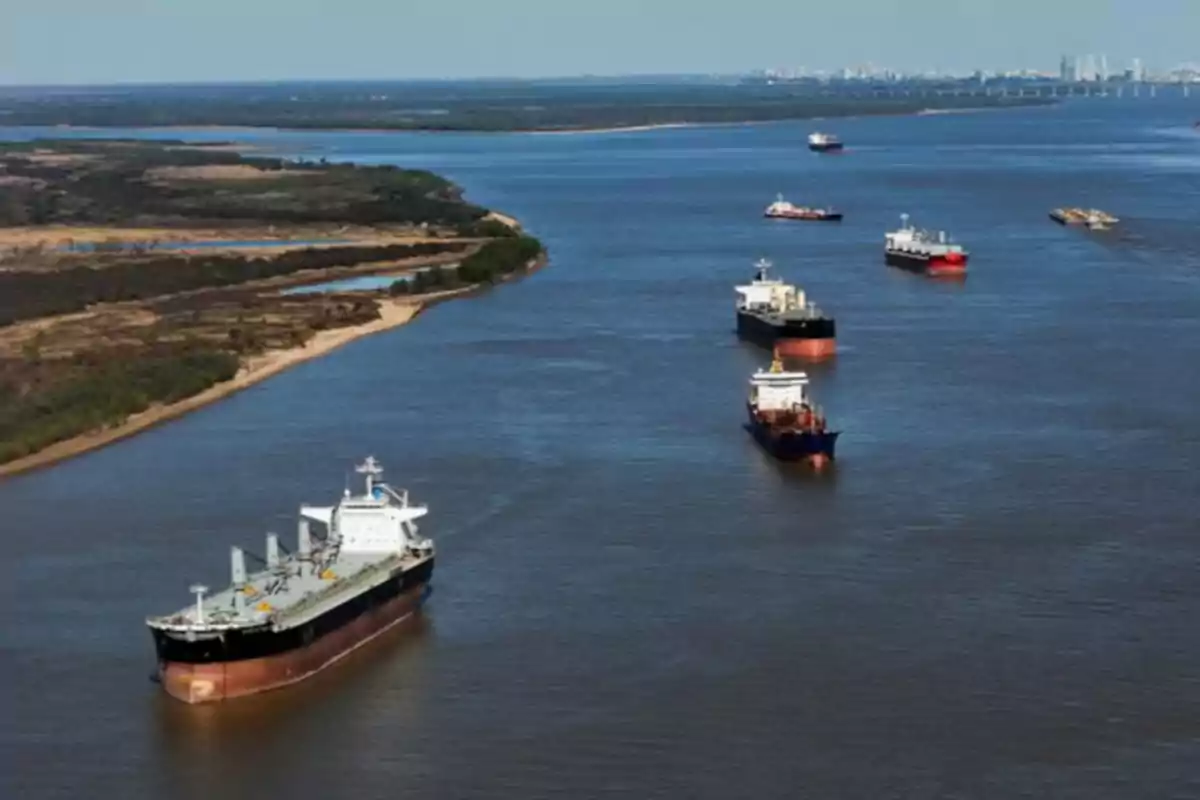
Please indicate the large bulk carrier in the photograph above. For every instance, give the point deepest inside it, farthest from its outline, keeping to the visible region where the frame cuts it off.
(359, 569)
(777, 315)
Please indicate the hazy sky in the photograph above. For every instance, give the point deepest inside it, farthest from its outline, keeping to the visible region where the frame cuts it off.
(102, 41)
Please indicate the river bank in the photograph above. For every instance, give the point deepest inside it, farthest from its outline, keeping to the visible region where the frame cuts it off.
(393, 314)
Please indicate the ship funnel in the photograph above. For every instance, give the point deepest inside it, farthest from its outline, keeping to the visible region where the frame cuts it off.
(304, 539)
(272, 551)
(237, 566)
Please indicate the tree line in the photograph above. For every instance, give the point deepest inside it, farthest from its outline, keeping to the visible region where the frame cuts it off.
(103, 391)
(28, 295)
(113, 183)
(490, 264)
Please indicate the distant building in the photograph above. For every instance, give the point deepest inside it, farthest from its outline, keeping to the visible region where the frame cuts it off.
(1088, 71)
(1066, 70)
(1102, 72)
(1136, 73)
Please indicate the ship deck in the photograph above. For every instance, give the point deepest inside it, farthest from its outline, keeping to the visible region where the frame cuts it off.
(290, 594)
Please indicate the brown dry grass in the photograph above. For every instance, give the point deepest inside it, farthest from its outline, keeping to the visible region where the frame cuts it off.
(221, 172)
(54, 236)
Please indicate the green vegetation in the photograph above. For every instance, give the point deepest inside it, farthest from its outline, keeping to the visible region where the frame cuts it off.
(490, 264)
(98, 393)
(490, 106)
(140, 183)
(163, 324)
(32, 294)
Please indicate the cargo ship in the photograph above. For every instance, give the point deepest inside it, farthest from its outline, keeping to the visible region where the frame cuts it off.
(923, 251)
(784, 420)
(359, 569)
(824, 143)
(782, 209)
(777, 315)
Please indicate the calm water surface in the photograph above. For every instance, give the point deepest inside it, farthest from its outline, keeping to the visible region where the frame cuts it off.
(994, 596)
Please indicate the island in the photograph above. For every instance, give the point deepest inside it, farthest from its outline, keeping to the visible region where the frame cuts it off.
(142, 279)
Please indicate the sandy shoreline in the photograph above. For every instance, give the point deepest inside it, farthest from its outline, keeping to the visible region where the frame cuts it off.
(393, 313)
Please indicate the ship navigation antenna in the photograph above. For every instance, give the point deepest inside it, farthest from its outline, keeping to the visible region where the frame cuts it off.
(199, 589)
(372, 470)
(762, 265)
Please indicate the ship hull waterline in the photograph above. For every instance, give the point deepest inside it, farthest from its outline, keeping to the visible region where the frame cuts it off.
(810, 340)
(813, 449)
(218, 680)
(835, 216)
(832, 147)
(933, 266)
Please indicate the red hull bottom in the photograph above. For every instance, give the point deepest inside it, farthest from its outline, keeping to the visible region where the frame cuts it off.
(940, 268)
(805, 348)
(224, 680)
(937, 266)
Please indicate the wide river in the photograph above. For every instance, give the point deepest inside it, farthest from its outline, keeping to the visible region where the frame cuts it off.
(995, 595)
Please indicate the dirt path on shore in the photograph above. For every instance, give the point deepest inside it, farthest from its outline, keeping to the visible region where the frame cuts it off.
(393, 313)
(261, 239)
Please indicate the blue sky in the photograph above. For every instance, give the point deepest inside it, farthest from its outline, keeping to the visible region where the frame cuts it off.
(104, 41)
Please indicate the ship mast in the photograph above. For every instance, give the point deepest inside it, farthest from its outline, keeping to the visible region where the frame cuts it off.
(372, 470)
(199, 589)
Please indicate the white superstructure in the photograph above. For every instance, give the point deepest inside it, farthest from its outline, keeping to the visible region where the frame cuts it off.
(782, 207)
(775, 389)
(908, 240)
(821, 139)
(765, 293)
(378, 521)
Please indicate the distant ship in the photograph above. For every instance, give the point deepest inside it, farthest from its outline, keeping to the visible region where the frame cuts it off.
(784, 420)
(824, 143)
(782, 209)
(1091, 218)
(777, 315)
(924, 251)
(368, 572)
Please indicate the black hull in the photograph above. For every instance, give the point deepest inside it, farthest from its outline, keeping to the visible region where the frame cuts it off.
(794, 445)
(261, 642)
(926, 265)
(766, 332)
(833, 147)
(836, 216)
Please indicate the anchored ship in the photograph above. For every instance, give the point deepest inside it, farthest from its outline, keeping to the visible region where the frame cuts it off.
(359, 569)
(1092, 218)
(782, 209)
(923, 251)
(777, 315)
(784, 420)
(824, 143)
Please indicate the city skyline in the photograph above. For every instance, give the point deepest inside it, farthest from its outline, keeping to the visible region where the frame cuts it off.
(72, 41)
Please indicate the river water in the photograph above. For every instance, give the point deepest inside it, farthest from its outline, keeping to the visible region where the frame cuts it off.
(994, 595)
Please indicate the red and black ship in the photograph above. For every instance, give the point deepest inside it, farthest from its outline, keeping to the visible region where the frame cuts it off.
(366, 573)
(776, 315)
